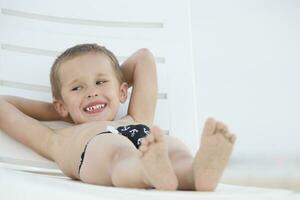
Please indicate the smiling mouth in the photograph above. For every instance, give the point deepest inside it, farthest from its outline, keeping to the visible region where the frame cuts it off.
(95, 108)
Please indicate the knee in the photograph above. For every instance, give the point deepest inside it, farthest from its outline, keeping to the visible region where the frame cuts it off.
(175, 143)
(177, 149)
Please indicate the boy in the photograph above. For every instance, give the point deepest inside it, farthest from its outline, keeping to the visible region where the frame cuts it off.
(87, 86)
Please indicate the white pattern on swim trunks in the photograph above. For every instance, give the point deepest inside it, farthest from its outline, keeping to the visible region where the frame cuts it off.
(112, 129)
(133, 131)
(125, 128)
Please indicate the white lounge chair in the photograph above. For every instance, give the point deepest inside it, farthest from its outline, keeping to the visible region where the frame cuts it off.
(34, 32)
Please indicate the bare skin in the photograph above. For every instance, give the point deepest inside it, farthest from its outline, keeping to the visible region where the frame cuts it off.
(213, 155)
(69, 143)
(156, 163)
(150, 164)
(90, 97)
(208, 164)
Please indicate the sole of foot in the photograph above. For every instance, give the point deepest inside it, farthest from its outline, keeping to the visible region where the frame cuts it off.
(213, 155)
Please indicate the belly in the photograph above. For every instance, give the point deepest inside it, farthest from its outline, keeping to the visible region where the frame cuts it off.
(72, 142)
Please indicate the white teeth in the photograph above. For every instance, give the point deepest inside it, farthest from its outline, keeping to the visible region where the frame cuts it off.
(92, 108)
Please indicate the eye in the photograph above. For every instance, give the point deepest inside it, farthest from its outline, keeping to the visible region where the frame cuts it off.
(100, 82)
(76, 88)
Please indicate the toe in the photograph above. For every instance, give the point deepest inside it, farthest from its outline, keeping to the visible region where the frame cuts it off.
(157, 133)
(221, 127)
(209, 127)
(149, 138)
(224, 129)
(143, 148)
(232, 138)
(144, 142)
(227, 135)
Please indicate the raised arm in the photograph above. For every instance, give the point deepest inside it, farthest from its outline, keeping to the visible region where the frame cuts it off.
(140, 72)
(25, 129)
(39, 110)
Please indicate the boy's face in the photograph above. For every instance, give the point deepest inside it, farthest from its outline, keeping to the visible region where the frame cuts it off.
(90, 90)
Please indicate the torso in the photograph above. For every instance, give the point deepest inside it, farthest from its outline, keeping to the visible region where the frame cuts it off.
(71, 141)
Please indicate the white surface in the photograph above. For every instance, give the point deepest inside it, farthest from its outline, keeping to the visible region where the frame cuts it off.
(34, 186)
(283, 173)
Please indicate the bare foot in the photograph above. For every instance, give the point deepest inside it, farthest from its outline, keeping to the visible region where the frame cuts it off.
(157, 165)
(213, 155)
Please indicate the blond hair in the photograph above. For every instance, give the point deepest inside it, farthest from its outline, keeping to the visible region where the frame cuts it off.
(73, 52)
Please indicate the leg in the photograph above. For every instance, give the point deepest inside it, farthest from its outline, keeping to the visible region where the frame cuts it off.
(157, 165)
(182, 162)
(98, 163)
(127, 168)
(113, 160)
(213, 155)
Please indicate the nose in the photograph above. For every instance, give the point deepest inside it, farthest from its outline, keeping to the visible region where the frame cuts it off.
(92, 93)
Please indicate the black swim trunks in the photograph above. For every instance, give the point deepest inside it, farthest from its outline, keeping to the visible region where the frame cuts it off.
(134, 133)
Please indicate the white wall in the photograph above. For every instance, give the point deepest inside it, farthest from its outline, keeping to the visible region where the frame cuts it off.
(247, 55)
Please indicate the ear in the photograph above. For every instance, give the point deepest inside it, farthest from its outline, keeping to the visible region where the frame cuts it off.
(123, 92)
(60, 107)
